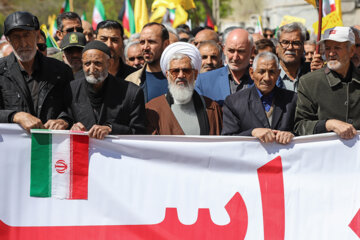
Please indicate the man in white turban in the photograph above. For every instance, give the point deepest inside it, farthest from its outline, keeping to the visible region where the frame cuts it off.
(182, 111)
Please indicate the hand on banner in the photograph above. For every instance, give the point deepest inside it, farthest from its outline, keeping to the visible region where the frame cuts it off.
(27, 121)
(78, 127)
(99, 131)
(283, 137)
(317, 62)
(343, 129)
(265, 135)
(56, 124)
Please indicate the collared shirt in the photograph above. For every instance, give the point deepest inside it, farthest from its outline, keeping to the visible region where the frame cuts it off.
(245, 81)
(286, 82)
(32, 81)
(266, 100)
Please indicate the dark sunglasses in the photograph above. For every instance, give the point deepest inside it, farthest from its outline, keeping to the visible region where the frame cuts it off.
(73, 29)
(175, 71)
(41, 46)
(140, 58)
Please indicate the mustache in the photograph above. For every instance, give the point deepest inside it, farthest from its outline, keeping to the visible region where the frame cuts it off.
(288, 52)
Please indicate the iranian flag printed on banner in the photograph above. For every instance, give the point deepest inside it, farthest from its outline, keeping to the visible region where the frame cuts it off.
(98, 13)
(59, 164)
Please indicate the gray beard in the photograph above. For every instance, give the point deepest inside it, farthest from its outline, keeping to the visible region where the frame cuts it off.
(25, 57)
(181, 94)
(93, 80)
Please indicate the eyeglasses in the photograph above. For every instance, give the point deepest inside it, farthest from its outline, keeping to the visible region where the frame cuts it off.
(140, 58)
(41, 46)
(175, 71)
(295, 44)
(73, 29)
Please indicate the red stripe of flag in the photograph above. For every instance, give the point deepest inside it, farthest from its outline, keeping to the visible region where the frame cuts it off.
(80, 161)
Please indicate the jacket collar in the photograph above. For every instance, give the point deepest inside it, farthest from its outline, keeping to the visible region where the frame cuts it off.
(333, 80)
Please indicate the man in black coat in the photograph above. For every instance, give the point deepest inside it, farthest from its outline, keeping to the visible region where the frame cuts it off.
(263, 111)
(103, 104)
(34, 89)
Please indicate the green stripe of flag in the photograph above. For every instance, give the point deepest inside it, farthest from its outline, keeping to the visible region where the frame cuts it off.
(41, 151)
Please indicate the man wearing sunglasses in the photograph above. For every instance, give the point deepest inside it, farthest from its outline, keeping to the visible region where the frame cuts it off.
(67, 22)
(34, 89)
(182, 111)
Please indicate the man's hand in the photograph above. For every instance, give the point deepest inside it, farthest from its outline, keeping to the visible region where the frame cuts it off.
(265, 135)
(99, 131)
(56, 124)
(27, 121)
(343, 129)
(316, 62)
(283, 137)
(78, 127)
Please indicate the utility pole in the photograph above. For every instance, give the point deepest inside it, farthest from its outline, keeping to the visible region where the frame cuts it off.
(216, 12)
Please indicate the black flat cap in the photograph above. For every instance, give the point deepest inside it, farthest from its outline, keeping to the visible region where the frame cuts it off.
(20, 20)
(97, 45)
(73, 39)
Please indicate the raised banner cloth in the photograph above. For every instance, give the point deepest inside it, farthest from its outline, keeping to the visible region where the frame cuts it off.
(178, 187)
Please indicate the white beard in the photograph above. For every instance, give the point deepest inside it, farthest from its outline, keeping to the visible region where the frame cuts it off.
(25, 56)
(181, 94)
(90, 78)
(334, 65)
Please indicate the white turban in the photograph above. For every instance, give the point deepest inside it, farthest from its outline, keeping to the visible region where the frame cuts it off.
(180, 47)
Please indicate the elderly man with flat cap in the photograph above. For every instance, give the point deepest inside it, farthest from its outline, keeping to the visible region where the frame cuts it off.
(182, 111)
(34, 89)
(101, 103)
(329, 98)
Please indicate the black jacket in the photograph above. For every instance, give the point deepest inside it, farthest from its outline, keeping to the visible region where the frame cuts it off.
(123, 106)
(243, 111)
(54, 89)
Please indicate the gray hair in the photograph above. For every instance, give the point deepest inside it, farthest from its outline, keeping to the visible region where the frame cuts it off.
(128, 46)
(268, 56)
(178, 56)
(212, 43)
(292, 27)
(225, 36)
(134, 36)
(310, 42)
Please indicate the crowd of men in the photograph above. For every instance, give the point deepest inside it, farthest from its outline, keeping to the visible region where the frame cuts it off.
(174, 82)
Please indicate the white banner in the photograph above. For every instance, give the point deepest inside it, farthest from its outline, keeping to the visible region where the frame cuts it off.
(162, 187)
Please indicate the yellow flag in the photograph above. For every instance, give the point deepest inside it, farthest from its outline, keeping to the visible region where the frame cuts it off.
(312, 2)
(158, 14)
(331, 20)
(171, 4)
(187, 4)
(140, 14)
(181, 16)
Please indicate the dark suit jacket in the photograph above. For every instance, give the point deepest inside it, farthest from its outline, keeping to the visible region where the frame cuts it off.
(243, 111)
(54, 89)
(123, 106)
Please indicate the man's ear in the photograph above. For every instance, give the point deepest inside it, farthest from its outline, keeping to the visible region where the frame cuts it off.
(251, 72)
(59, 34)
(166, 43)
(196, 72)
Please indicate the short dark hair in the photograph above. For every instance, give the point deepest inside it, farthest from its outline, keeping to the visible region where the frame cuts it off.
(164, 31)
(66, 15)
(110, 24)
(264, 43)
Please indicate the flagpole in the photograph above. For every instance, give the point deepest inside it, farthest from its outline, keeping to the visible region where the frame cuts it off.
(319, 26)
(71, 5)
